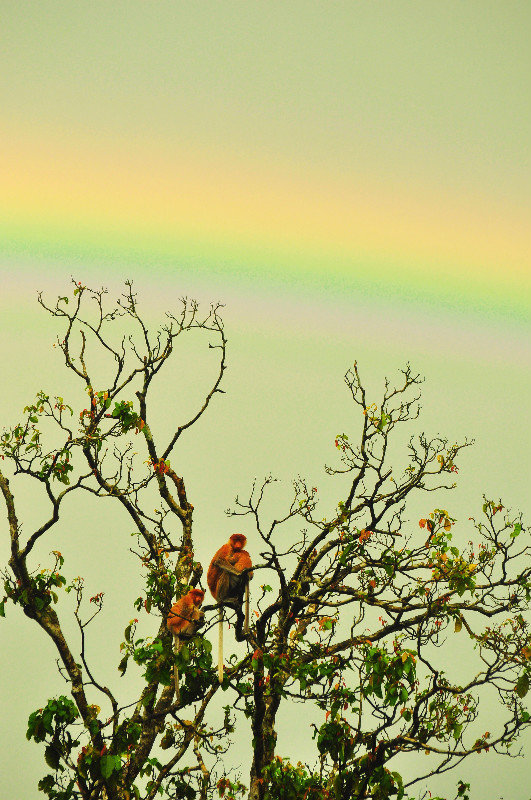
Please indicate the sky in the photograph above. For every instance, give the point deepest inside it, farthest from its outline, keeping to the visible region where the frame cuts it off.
(352, 181)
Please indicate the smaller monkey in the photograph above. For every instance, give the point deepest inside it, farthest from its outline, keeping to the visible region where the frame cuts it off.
(184, 620)
(226, 582)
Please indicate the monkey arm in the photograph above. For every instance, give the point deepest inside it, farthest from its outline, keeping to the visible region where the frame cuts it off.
(225, 565)
(193, 627)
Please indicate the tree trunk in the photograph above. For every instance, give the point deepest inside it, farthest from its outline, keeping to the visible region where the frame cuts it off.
(265, 739)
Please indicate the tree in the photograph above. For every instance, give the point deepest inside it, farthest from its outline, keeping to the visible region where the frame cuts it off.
(348, 617)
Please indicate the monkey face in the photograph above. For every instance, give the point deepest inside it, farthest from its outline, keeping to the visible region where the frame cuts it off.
(238, 541)
(197, 596)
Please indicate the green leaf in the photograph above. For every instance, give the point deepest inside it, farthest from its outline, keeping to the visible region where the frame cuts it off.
(2, 611)
(109, 764)
(106, 766)
(522, 685)
(384, 419)
(517, 530)
(51, 756)
(32, 724)
(122, 666)
(46, 784)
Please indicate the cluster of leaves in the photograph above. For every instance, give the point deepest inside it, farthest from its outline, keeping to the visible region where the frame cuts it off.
(39, 591)
(389, 677)
(194, 661)
(22, 443)
(230, 790)
(128, 418)
(292, 782)
(50, 724)
(157, 658)
(161, 583)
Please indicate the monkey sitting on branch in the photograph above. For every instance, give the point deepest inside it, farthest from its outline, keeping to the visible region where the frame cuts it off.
(228, 580)
(184, 620)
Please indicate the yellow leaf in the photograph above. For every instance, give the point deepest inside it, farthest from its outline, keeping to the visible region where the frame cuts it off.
(458, 624)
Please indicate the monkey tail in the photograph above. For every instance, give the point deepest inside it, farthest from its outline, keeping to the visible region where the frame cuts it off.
(246, 624)
(220, 645)
(176, 650)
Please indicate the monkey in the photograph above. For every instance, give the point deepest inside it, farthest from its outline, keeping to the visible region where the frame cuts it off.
(227, 584)
(184, 620)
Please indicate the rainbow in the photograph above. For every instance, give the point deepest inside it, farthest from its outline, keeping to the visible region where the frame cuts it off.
(236, 222)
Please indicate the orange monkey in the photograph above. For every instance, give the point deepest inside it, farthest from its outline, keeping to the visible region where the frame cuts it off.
(226, 582)
(184, 620)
